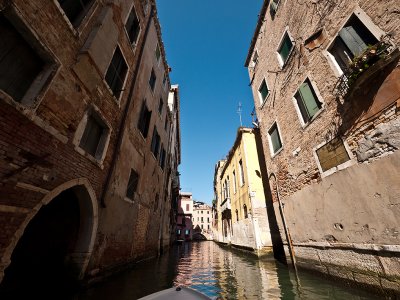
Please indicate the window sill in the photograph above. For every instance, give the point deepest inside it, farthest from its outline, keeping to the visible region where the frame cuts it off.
(277, 152)
(116, 100)
(99, 163)
(305, 125)
(338, 168)
(265, 100)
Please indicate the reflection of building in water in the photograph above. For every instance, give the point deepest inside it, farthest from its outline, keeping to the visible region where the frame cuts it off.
(201, 221)
(184, 217)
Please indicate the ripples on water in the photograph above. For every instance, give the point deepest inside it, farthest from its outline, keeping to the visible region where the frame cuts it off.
(218, 272)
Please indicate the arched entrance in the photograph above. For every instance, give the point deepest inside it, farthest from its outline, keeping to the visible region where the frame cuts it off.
(54, 247)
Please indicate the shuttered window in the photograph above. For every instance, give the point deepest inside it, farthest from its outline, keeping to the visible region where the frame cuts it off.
(275, 138)
(160, 106)
(307, 101)
(353, 39)
(144, 120)
(133, 27)
(132, 184)
(263, 91)
(75, 10)
(285, 48)
(19, 63)
(332, 154)
(116, 73)
(92, 135)
(152, 80)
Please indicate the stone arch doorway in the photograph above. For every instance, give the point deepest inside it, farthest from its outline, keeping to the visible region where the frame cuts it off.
(53, 249)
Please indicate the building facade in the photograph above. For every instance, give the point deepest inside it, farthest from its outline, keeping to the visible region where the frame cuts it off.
(241, 197)
(202, 221)
(326, 86)
(84, 141)
(184, 224)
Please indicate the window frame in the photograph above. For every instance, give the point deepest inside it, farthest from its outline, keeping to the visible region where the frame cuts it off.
(51, 65)
(242, 180)
(337, 168)
(367, 22)
(104, 139)
(319, 98)
(132, 199)
(158, 49)
(117, 99)
(134, 10)
(76, 27)
(282, 63)
(141, 120)
(152, 88)
(263, 101)
(271, 149)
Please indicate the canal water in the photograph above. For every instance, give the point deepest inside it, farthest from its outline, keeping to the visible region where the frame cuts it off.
(218, 272)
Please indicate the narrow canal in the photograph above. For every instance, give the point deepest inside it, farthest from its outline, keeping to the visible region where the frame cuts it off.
(218, 272)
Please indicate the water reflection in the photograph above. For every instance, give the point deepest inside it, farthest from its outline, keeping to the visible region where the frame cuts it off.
(217, 272)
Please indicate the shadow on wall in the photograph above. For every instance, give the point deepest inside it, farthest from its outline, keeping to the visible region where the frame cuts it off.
(367, 98)
(277, 242)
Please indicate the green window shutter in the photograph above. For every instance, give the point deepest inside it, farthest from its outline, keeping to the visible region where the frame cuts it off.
(309, 100)
(352, 40)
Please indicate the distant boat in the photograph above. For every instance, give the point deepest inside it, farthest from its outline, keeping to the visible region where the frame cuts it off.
(177, 293)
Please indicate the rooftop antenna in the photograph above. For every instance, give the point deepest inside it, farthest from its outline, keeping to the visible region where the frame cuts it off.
(239, 111)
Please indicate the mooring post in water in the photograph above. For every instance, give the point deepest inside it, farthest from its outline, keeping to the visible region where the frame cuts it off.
(287, 232)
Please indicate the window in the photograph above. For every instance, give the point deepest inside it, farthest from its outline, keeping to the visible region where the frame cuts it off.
(162, 157)
(155, 143)
(241, 173)
(263, 91)
(307, 101)
(116, 73)
(23, 70)
(254, 60)
(132, 27)
(158, 53)
(160, 106)
(145, 5)
(75, 10)
(164, 81)
(178, 232)
(132, 184)
(208, 219)
(237, 216)
(274, 139)
(152, 80)
(202, 220)
(273, 7)
(187, 232)
(187, 207)
(144, 120)
(245, 211)
(332, 154)
(208, 226)
(285, 48)
(353, 39)
(202, 226)
(234, 182)
(94, 136)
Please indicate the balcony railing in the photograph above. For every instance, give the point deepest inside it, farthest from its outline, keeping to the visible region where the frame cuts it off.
(371, 61)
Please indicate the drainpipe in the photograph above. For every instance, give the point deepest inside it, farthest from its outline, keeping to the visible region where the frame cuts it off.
(287, 232)
(122, 126)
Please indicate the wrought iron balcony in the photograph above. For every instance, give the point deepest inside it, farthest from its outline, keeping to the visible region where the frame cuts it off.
(374, 59)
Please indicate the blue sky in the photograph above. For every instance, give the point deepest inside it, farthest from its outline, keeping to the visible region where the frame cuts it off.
(206, 43)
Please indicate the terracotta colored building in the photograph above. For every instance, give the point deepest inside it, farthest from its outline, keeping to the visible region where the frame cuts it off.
(325, 79)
